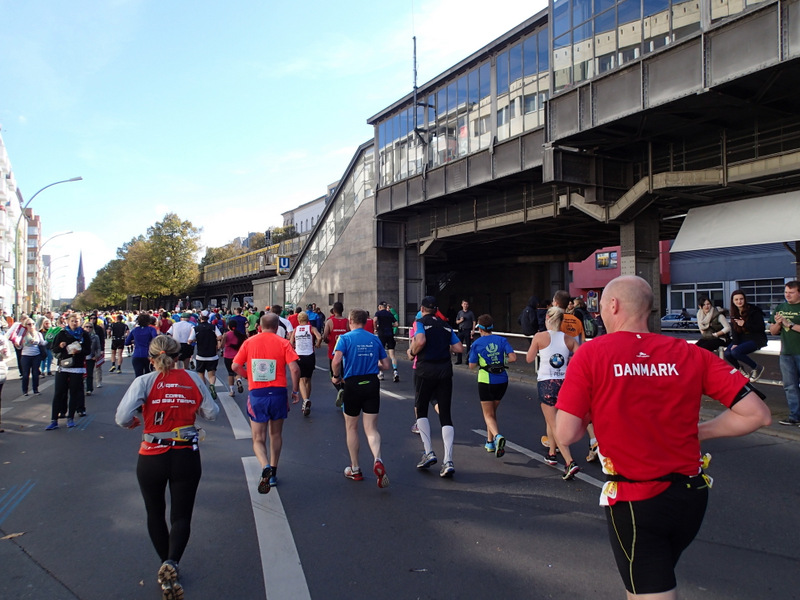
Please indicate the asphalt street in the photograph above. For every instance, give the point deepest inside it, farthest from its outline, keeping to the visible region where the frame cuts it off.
(72, 520)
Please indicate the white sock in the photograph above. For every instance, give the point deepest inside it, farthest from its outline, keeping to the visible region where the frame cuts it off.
(424, 426)
(448, 436)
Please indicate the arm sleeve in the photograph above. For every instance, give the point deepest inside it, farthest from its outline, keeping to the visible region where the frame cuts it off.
(208, 409)
(133, 399)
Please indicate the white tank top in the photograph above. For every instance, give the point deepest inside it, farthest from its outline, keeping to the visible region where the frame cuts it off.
(303, 340)
(553, 359)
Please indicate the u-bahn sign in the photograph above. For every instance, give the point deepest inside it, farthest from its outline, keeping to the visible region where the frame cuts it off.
(283, 265)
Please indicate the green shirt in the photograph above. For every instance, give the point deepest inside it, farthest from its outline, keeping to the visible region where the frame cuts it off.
(790, 340)
(252, 322)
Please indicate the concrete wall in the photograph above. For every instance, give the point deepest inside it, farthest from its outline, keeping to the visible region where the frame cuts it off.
(351, 267)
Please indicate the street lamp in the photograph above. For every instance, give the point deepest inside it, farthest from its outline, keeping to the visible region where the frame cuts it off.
(52, 237)
(15, 309)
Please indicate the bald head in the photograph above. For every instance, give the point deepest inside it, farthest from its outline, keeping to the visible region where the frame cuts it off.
(270, 322)
(626, 304)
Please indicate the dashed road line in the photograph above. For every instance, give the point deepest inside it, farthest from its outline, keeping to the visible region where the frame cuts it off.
(536, 456)
(284, 578)
(14, 495)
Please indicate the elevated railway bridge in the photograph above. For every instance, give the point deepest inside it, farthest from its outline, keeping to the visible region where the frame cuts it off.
(588, 125)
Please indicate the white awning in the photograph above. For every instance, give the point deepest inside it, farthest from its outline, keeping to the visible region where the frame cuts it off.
(763, 220)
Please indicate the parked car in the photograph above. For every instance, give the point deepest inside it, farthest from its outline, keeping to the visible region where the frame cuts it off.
(678, 320)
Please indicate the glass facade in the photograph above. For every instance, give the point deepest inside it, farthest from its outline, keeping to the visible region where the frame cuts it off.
(462, 115)
(356, 187)
(591, 37)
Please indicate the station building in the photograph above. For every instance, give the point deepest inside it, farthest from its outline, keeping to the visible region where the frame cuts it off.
(593, 124)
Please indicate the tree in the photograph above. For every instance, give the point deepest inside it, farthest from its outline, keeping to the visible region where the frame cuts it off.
(280, 234)
(107, 288)
(215, 255)
(172, 245)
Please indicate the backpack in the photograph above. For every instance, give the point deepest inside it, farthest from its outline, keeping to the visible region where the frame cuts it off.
(527, 319)
(589, 326)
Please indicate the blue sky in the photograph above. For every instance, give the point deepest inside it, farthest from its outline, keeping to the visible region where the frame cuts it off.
(227, 114)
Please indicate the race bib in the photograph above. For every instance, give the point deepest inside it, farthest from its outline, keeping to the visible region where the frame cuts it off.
(263, 369)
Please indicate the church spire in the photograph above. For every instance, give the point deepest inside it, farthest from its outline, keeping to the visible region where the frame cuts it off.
(81, 284)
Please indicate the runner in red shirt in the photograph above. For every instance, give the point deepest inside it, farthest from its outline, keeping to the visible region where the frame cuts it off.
(334, 327)
(170, 400)
(643, 391)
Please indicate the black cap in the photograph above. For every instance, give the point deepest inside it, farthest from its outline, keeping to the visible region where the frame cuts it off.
(428, 302)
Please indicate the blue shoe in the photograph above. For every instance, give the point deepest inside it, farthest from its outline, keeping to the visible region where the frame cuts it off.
(427, 460)
(490, 447)
(273, 481)
(70, 423)
(500, 443)
(53, 425)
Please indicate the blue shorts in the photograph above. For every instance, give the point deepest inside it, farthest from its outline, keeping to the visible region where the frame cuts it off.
(267, 404)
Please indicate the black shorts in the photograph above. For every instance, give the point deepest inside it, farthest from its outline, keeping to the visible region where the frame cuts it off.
(229, 367)
(362, 393)
(492, 392)
(388, 341)
(307, 363)
(186, 352)
(648, 536)
(434, 390)
(202, 366)
(117, 344)
(548, 390)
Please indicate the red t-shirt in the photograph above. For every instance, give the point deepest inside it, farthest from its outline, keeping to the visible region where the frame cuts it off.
(262, 348)
(643, 393)
(292, 318)
(339, 326)
(171, 402)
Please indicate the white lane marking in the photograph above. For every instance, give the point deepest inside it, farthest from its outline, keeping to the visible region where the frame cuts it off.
(284, 578)
(536, 456)
(393, 395)
(239, 424)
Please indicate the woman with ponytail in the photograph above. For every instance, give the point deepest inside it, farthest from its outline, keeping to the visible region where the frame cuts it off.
(170, 399)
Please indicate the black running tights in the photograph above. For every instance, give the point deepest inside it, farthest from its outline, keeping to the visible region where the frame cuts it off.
(180, 467)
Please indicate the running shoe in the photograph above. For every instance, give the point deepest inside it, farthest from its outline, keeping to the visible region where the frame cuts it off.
(551, 459)
(82, 412)
(756, 373)
(490, 447)
(171, 588)
(239, 386)
(592, 456)
(354, 474)
(112, 369)
(500, 443)
(99, 385)
(70, 423)
(414, 428)
(447, 469)
(427, 460)
(306, 409)
(570, 470)
(380, 473)
(380, 376)
(88, 392)
(273, 481)
(53, 425)
(339, 398)
(789, 421)
(264, 484)
(396, 377)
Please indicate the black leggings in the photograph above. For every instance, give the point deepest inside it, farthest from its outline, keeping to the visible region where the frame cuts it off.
(439, 389)
(180, 467)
